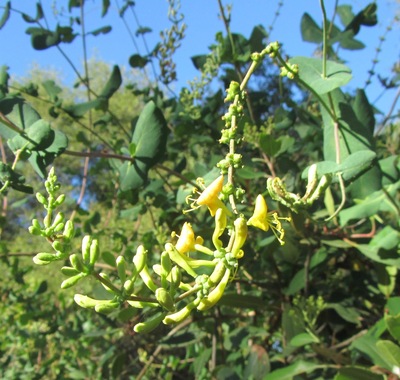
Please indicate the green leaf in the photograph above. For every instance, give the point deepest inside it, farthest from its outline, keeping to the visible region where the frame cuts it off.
(310, 71)
(113, 83)
(353, 135)
(348, 313)
(138, 61)
(386, 276)
(393, 325)
(39, 15)
(269, 145)
(39, 136)
(303, 339)
(298, 368)
(16, 181)
(79, 110)
(391, 352)
(378, 201)
(258, 364)
(310, 31)
(240, 53)
(390, 168)
(4, 77)
(367, 345)
(19, 113)
(357, 373)
(200, 361)
(150, 137)
(102, 30)
(42, 39)
(52, 89)
(345, 14)
(6, 14)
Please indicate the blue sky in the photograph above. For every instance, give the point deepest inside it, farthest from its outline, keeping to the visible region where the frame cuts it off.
(201, 17)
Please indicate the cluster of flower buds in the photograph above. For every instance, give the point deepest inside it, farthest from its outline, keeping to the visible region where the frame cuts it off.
(57, 230)
(315, 188)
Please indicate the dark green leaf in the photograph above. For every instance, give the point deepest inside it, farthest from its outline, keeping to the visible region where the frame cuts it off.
(240, 52)
(200, 361)
(199, 61)
(348, 313)
(150, 137)
(16, 181)
(257, 38)
(310, 71)
(4, 77)
(241, 300)
(142, 30)
(6, 14)
(104, 8)
(357, 373)
(366, 17)
(113, 83)
(310, 31)
(137, 60)
(102, 30)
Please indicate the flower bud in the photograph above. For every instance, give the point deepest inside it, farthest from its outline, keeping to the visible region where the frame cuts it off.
(182, 314)
(165, 299)
(94, 252)
(41, 199)
(44, 258)
(215, 295)
(106, 307)
(121, 268)
(150, 324)
(59, 201)
(71, 281)
(139, 260)
(240, 236)
(69, 230)
(86, 242)
(220, 225)
(76, 262)
(217, 273)
(68, 271)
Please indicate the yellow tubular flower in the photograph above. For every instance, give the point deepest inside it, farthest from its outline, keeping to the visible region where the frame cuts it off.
(209, 197)
(264, 220)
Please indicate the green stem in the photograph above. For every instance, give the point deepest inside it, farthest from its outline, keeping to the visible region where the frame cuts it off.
(325, 39)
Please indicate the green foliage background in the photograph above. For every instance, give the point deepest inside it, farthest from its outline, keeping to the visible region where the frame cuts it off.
(127, 152)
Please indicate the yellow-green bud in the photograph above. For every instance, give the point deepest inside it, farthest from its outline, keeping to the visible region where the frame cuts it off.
(220, 225)
(150, 324)
(121, 268)
(165, 299)
(182, 314)
(69, 230)
(106, 307)
(215, 295)
(68, 271)
(240, 225)
(139, 260)
(86, 242)
(94, 251)
(217, 273)
(43, 258)
(71, 281)
(76, 262)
